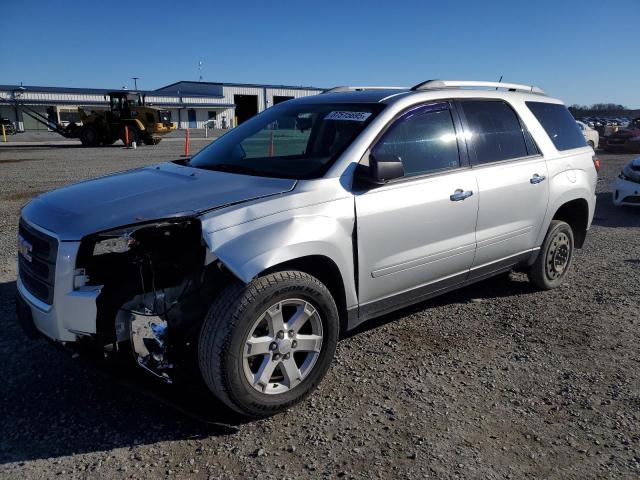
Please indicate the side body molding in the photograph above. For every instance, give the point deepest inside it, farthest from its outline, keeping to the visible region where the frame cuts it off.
(251, 247)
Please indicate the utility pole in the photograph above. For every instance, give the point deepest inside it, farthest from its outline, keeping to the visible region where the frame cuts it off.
(135, 83)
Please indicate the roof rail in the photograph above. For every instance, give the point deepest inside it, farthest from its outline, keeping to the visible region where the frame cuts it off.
(436, 84)
(359, 89)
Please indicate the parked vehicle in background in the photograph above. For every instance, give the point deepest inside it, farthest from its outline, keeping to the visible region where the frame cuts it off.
(9, 127)
(210, 124)
(626, 188)
(625, 139)
(249, 260)
(590, 135)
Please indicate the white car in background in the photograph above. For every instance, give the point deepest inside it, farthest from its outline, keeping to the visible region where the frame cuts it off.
(626, 188)
(590, 135)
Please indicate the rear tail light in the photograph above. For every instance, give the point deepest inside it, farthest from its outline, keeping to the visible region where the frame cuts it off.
(596, 163)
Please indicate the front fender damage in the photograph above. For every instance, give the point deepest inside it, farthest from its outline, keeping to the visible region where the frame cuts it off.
(158, 280)
(248, 249)
(156, 285)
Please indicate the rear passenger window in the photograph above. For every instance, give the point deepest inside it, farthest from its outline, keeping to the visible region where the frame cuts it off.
(424, 140)
(496, 133)
(559, 125)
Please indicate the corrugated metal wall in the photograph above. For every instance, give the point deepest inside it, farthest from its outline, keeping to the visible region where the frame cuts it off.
(46, 98)
(228, 98)
(288, 92)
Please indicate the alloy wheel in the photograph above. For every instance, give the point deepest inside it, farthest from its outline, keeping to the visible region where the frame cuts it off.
(282, 346)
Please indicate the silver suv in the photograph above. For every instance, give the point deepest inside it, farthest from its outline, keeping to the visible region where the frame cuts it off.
(248, 260)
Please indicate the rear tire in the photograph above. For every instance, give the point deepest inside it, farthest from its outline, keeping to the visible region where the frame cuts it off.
(555, 257)
(250, 363)
(89, 136)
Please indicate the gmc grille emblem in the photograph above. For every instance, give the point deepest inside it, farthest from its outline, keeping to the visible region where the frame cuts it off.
(24, 248)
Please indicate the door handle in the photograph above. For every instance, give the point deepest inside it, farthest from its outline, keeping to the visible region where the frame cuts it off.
(460, 194)
(537, 178)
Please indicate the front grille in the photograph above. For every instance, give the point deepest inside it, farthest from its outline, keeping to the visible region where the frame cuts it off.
(38, 273)
(631, 199)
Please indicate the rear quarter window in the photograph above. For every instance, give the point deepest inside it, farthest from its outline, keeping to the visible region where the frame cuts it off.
(559, 125)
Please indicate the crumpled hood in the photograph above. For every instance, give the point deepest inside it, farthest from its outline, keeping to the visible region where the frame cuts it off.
(150, 193)
(632, 170)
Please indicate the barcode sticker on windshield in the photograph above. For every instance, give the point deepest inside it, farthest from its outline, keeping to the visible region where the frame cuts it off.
(349, 116)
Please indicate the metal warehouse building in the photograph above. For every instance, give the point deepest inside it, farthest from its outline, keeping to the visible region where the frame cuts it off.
(191, 103)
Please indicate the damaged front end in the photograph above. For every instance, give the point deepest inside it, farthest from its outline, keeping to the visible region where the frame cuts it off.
(157, 281)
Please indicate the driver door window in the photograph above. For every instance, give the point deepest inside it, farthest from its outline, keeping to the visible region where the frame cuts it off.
(424, 139)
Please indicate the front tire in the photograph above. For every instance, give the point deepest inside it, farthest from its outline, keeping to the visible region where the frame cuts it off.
(555, 257)
(265, 346)
(89, 136)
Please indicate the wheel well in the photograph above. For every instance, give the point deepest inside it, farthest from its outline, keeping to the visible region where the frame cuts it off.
(576, 214)
(325, 270)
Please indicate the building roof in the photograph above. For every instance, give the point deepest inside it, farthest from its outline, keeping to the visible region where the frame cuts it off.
(203, 88)
(184, 87)
(36, 88)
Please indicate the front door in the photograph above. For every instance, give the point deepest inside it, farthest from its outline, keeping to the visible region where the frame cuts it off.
(191, 113)
(512, 183)
(416, 235)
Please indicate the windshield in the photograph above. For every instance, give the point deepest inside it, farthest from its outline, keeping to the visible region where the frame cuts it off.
(288, 141)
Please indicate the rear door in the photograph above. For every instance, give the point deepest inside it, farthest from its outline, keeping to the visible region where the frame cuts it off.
(512, 183)
(416, 234)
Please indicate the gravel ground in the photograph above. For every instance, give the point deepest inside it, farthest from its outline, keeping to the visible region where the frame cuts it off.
(54, 138)
(493, 381)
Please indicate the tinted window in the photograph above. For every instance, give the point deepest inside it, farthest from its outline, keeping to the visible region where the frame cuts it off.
(559, 125)
(424, 139)
(496, 133)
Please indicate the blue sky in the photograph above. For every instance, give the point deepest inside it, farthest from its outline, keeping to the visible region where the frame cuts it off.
(582, 51)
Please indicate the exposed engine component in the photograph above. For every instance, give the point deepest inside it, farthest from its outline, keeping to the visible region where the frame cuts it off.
(139, 324)
(156, 283)
(154, 322)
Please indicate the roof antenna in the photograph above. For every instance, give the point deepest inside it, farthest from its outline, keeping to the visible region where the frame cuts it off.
(500, 80)
(200, 70)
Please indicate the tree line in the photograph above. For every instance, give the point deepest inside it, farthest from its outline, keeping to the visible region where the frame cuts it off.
(602, 110)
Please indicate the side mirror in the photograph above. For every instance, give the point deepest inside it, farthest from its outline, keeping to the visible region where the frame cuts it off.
(385, 167)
